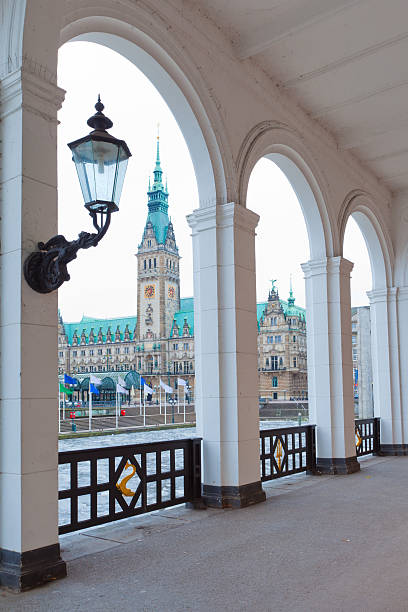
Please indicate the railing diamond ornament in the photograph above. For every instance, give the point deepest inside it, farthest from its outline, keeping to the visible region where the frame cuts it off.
(122, 485)
(358, 438)
(279, 453)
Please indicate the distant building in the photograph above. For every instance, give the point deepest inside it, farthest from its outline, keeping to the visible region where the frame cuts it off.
(362, 363)
(282, 356)
(158, 343)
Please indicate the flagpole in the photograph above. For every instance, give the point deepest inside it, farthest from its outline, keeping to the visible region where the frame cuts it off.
(90, 407)
(116, 410)
(165, 407)
(184, 404)
(144, 409)
(160, 399)
(140, 403)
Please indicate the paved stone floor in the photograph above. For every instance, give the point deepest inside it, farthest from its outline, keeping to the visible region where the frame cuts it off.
(317, 544)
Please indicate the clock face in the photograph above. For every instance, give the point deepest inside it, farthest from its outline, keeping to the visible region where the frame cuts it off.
(171, 292)
(149, 291)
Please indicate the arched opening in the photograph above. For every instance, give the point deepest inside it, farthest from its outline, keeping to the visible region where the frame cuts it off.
(355, 250)
(327, 312)
(110, 278)
(171, 84)
(366, 245)
(290, 232)
(281, 245)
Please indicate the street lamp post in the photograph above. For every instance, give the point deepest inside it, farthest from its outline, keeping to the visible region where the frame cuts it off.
(101, 162)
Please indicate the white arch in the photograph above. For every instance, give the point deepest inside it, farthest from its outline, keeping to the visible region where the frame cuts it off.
(307, 203)
(359, 206)
(282, 146)
(405, 258)
(209, 175)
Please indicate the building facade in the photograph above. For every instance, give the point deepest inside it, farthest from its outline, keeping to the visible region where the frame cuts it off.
(158, 343)
(282, 356)
(362, 362)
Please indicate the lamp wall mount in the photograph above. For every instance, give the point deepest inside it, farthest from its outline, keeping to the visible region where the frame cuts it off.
(45, 270)
(101, 161)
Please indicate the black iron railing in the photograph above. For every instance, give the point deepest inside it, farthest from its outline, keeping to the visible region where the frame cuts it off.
(286, 451)
(101, 485)
(367, 436)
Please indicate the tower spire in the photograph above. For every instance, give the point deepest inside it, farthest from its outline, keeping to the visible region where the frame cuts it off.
(291, 299)
(157, 202)
(158, 146)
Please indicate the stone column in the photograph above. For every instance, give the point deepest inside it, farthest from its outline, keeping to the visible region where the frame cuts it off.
(226, 353)
(386, 379)
(402, 310)
(29, 549)
(329, 363)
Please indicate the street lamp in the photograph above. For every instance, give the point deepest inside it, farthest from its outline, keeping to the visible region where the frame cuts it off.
(101, 162)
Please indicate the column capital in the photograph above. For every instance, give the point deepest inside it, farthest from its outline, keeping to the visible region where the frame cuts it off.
(402, 294)
(388, 294)
(314, 267)
(339, 265)
(327, 265)
(32, 88)
(223, 215)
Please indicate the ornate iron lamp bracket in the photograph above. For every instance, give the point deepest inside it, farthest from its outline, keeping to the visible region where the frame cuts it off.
(45, 270)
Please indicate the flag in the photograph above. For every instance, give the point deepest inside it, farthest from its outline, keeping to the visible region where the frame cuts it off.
(64, 389)
(147, 390)
(93, 389)
(142, 382)
(181, 382)
(70, 381)
(120, 389)
(94, 380)
(121, 382)
(166, 388)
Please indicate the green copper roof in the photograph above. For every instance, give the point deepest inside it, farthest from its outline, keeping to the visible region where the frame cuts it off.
(158, 202)
(186, 312)
(87, 323)
(291, 309)
(288, 308)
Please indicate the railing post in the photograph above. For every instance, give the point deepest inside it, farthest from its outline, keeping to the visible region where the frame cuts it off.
(377, 436)
(311, 449)
(195, 475)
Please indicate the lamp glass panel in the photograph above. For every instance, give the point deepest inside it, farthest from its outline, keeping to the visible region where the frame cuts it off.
(105, 155)
(120, 175)
(84, 163)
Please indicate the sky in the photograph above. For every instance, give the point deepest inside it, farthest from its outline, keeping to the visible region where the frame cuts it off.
(103, 279)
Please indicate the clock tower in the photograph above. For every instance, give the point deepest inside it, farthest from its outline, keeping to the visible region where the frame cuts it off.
(158, 283)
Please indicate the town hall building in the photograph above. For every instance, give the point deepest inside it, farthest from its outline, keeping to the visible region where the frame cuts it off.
(158, 343)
